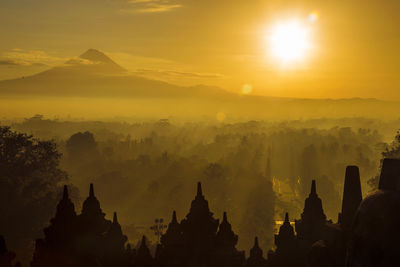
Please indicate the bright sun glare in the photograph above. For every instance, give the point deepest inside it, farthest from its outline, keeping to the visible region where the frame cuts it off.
(289, 41)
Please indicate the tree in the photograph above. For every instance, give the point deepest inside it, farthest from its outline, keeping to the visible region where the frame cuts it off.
(82, 147)
(392, 151)
(29, 183)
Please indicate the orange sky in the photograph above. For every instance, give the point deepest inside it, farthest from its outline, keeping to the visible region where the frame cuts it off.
(221, 43)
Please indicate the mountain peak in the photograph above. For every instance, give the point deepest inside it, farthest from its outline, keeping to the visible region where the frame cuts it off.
(96, 56)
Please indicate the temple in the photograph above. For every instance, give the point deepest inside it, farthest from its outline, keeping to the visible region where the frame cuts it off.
(374, 237)
(199, 239)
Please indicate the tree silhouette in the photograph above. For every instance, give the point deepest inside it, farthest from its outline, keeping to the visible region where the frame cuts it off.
(392, 151)
(29, 179)
(81, 147)
(158, 228)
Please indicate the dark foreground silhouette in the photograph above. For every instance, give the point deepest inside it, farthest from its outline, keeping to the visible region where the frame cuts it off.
(366, 234)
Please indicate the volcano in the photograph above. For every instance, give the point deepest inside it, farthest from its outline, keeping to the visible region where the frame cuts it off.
(94, 74)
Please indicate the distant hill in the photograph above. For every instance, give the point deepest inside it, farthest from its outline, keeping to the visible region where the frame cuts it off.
(93, 74)
(95, 77)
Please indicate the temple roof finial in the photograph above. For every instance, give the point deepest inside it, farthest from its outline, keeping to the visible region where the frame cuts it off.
(225, 219)
(143, 241)
(91, 191)
(115, 219)
(287, 218)
(313, 188)
(174, 216)
(65, 193)
(256, 242)
(199, 190)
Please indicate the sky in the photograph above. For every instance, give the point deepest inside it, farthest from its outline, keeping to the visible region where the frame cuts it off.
(353, 44)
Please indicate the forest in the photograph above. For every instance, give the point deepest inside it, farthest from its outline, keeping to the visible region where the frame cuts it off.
(255, 170)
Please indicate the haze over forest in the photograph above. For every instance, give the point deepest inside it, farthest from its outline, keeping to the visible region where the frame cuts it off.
(146, 98)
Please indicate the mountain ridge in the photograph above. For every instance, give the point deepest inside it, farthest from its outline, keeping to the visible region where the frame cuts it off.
(94, 74)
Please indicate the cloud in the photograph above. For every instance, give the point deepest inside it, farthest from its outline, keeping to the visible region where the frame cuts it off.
(179, 74)
(22, 57)
(7, 62)
(152, 6)
(162, 68)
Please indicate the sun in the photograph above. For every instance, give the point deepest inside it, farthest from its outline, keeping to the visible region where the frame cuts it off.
(289, 41)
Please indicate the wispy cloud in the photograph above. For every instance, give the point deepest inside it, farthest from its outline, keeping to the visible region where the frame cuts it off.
(179, 73)
(29, 58)
(152, 6)
(7, 62)
(163, 69)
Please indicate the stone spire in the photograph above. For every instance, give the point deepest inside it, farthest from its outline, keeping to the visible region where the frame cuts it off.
(199, 190)
(92, 205)
(256, 251)
(92, 219)
(256, 258)
(352, 196)
(199, 208)
(143, 249)
(65, 192)
(199, 229)
(115, 219)
(65, 208)
(313, 205)
(143, 256)
(313, 218)
(286, 233)
(172, 244)
(59, 235)
(173, 235)
(115, 237)
(313, 188)
(225, 236)
(91, 191)
(174, 221)
(390, 175)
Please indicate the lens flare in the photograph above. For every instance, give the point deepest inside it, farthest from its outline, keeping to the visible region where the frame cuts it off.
(247, 89)
(221, 116)
(313, 17)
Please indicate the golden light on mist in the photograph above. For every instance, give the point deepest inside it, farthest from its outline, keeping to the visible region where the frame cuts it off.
(289, 41)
